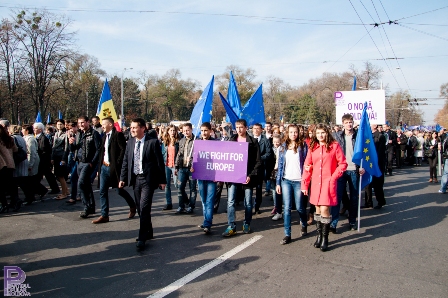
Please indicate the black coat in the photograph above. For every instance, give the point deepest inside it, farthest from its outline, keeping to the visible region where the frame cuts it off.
(116, 149)
(380, 145)
(44, 151)
(403, 141)
(253, 160)
(392, 137)
(153, 166)
(266, 155)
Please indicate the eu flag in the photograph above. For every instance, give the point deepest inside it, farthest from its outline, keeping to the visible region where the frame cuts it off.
(354, 84)
(230, 113)
(364, 153)
(48, 118)
(253, 111)
(60, 115)
(202, 111)
(38, 117)
(233, 98)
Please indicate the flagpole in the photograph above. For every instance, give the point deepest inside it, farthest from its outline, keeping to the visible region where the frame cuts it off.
(199, 122)
(359, 199)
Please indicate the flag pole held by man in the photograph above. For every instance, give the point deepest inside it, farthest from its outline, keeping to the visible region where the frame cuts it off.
(365, 155)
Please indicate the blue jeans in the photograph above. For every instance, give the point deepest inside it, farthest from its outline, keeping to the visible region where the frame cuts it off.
(85, 186)
(74, 180)
(104, 192)
(444, 180)
(291, 190)
(182, 175)
(231, 205)
(353, 184)
(268, 185)
(207, 190)
(168, 172)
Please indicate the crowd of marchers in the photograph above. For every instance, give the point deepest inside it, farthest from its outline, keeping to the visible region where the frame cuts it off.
(303, 168)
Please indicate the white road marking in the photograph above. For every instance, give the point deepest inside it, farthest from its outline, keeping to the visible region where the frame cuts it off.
(201, 270)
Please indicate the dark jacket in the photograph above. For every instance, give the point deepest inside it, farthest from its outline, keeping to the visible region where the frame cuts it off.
(179, 163)
(266, 155)
(427, 146)
(116, 150)
(403, 141)
(44, 151)
(380, 145)
(253, 159)
(392, 137)
(89, 144)
(153, 166)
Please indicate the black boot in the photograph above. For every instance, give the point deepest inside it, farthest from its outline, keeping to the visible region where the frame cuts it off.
(325, 231)
(319, 230)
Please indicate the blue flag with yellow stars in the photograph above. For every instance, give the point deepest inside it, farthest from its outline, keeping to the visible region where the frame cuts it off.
(202, 111)
(364, 153)
(253, 110)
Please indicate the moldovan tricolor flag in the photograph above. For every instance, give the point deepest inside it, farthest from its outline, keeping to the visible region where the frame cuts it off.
(106, 106)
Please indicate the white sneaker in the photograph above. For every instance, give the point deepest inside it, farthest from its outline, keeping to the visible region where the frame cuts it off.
(277, 216)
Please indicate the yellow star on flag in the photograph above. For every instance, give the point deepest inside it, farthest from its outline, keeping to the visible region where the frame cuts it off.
(367, 141)
(367, 158)
(366, 150)
(371, 165)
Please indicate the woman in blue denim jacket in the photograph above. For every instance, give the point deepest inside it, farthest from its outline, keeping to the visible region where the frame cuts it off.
(291, 157)
(170, 147)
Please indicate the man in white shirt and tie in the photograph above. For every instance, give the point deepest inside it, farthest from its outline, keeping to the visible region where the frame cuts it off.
(112, 150)
(144, 169)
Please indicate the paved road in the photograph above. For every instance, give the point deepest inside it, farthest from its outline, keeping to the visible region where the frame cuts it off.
(401, 251)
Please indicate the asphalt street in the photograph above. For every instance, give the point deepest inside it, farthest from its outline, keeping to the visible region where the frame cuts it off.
(401, 250)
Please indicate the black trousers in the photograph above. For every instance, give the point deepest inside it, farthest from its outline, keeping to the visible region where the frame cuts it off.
(45, 170)
(219, 188)
(433, 167)
(143, 193)
(377, 184)
(399, 154)
(390, 158)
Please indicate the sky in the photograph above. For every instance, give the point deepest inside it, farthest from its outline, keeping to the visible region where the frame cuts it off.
(293, 40)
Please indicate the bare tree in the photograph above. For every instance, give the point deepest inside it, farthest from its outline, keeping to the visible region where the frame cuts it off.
(47, 44)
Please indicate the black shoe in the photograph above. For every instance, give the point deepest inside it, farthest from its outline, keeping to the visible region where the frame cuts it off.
(319, 234)
(168, 207)
(352, 227)
(17, 205)
(27, 203)
(43, 196)
(378, 207)
(325, 231)
(285, 240)
(4, 209)
(303, 231)
(333, 230)
(140, 245)
(201, 227)
(85, 214)
(207, 231)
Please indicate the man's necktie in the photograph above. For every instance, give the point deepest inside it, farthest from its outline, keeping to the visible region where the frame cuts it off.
(137, 158)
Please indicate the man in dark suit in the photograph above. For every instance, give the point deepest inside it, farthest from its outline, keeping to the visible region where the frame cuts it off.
(391, 142)
(45, 166)
(377, 182)
(144, 169)
(266, 161)
(401, 147)
(112, 149)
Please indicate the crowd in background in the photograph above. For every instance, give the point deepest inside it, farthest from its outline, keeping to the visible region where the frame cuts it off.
(31, 152)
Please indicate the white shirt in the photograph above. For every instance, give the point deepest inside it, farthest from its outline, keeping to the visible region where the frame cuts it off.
(141, 152)
(106, 147)
(292, 166)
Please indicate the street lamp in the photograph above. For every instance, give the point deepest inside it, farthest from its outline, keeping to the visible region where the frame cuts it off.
(122, 98)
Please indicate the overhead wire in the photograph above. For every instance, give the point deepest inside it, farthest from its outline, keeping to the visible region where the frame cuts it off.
(393, 75)
(390, 44)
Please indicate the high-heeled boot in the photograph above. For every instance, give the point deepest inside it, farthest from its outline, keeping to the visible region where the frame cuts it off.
(325, 230)
(319, 230)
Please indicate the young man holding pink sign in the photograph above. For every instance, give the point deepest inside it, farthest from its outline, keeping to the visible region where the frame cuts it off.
(207, 188)
(253, 165)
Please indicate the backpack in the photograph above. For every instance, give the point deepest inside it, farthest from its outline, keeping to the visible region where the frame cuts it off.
(20, 155)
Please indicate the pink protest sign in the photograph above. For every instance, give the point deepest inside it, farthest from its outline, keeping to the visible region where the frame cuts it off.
(220, 161)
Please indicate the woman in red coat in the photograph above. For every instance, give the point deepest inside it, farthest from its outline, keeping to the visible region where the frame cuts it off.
(324, 164)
